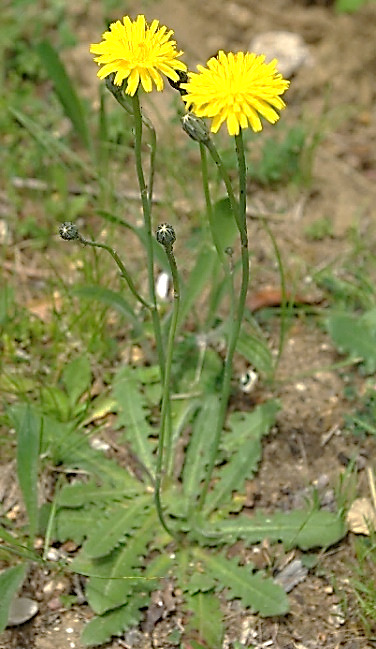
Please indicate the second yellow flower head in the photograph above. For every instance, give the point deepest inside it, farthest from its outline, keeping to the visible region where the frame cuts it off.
(236, 89)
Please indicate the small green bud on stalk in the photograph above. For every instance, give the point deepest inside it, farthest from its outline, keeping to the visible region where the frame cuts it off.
(165, 235)
(69, 231)
(196, 128)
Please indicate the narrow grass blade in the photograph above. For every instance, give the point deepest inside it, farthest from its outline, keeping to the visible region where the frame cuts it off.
(65, 91)
(10, 581)
(50, 143)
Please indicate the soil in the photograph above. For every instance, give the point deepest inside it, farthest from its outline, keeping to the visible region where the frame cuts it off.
(309, 447)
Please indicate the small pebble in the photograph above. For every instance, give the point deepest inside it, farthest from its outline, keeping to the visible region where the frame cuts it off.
(288, 48)
(53, 555)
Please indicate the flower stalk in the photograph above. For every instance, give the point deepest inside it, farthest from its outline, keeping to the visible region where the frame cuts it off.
(166, 237)
(235, 319)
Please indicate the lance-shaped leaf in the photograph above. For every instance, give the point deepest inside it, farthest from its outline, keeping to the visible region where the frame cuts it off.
(115, 526)
(113, 623)
(207, 619)
(243, 441)
(255, 591)
(29, 427)
(300, 528)
(115, 576)
(10, 581)
(83, 493)
(198, 451)
(133, 416)
(65, 90)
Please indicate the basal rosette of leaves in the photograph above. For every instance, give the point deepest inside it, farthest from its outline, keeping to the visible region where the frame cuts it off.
(126, 554)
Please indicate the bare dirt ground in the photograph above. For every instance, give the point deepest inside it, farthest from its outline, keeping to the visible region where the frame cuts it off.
(309, 446)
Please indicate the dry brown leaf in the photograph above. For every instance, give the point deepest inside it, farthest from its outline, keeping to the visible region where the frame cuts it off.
(361, 517)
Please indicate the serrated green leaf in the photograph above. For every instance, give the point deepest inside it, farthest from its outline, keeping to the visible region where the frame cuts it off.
(115, 526)
(10, 581)
(249, 425)
(75, 524)
(207, 619)
(116, 575)
(65, 90)
(132, 409)
(29, 429)
(198, 581)
(243, 449)
(254, 590)
(76, 378)
(84, 493)
(256, 351)
(240, 466)
(113, 623)
(355, 335)
(299, 528)
(198, 451)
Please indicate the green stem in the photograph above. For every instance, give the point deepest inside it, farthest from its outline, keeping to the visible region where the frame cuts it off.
(123, 271)
(214, 234)
(239, 211)
(146, 208)
(164, 440)
(164, 366)
(118, 93)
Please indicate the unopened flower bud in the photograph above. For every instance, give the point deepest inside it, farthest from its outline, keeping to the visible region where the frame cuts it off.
(69, 231)
(166, 235)
(195, 127)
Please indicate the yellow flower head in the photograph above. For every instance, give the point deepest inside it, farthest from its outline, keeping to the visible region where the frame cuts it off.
(236, 88)
(138, 52)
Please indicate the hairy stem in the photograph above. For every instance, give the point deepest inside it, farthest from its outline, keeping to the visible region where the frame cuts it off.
(146, 208)
(123, 271)
(164, 440)
(239, 211)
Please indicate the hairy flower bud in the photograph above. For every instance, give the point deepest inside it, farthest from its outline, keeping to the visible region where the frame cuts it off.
(195, 127)
(165, 235)
(68, 231)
